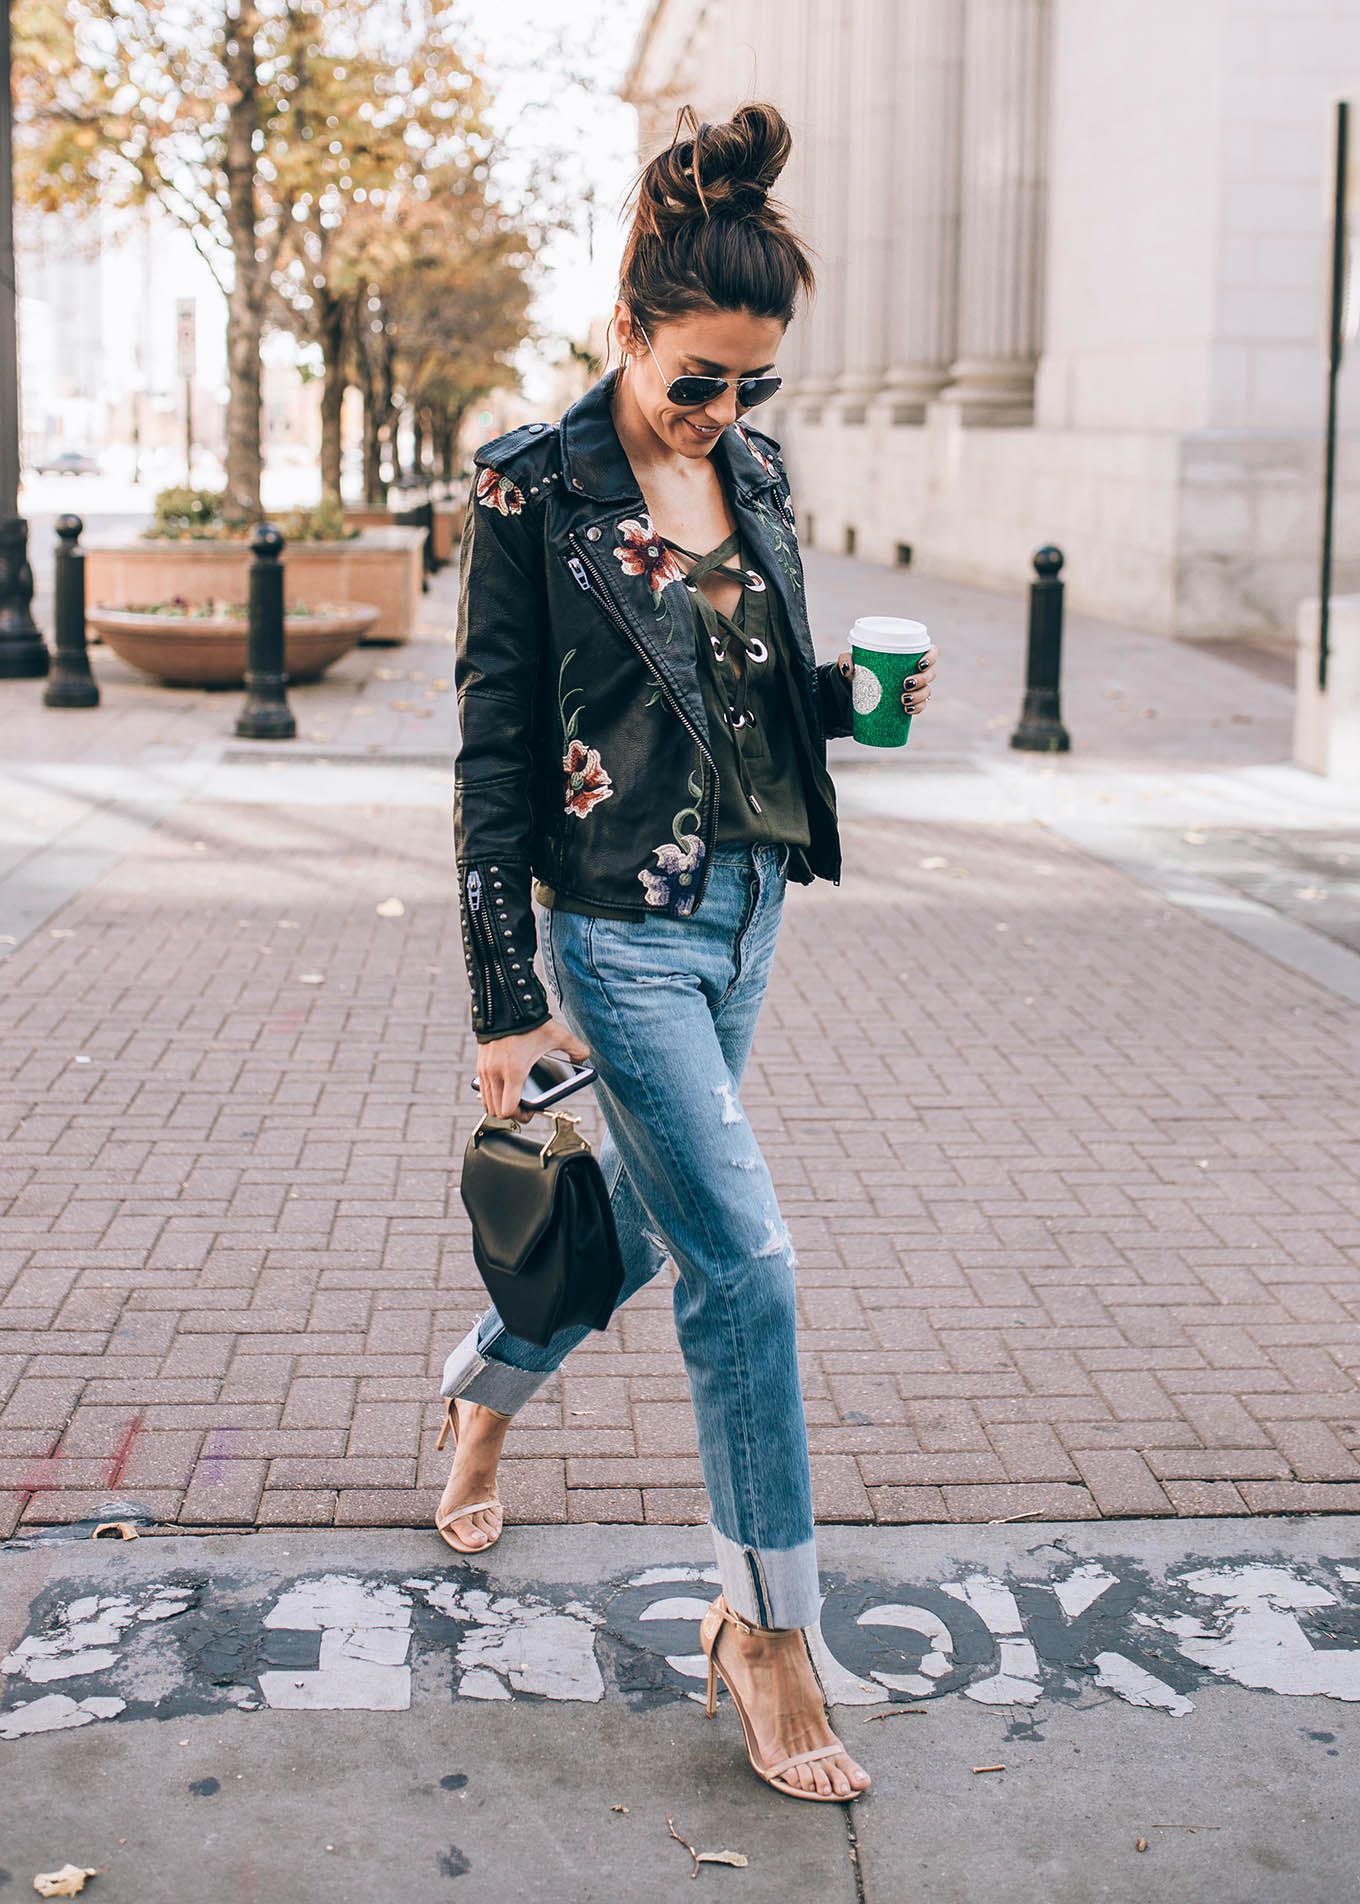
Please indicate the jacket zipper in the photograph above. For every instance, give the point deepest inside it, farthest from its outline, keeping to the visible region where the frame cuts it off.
(492, 963)
(582, 571)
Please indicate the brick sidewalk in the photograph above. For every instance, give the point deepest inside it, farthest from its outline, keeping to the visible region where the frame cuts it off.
(1086, 1243)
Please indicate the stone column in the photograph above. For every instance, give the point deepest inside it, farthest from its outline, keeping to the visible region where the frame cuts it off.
(783, 77)
(827, 136)
(1005, 139)
(923, 203)
(869, 112)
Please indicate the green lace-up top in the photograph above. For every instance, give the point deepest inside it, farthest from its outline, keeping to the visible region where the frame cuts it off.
(742, 667)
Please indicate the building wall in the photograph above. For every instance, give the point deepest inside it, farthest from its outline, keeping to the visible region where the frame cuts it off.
(1072, 256)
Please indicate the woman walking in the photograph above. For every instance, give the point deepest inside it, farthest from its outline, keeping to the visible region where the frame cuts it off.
(642, 768)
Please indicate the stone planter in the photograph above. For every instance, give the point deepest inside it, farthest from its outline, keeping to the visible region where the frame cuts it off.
(210, 650)
(1327, 726)
(382, 566)
(448, 527)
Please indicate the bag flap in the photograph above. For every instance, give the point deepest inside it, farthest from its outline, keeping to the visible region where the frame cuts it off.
(510, 1194)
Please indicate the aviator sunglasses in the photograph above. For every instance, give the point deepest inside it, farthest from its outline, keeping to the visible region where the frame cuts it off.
(687, 393)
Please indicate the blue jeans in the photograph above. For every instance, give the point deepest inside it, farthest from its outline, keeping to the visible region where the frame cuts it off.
(668, 1008)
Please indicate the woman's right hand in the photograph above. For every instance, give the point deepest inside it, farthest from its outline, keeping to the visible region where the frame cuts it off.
(504, 1063)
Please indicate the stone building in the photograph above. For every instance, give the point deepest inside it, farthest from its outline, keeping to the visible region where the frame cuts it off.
(1072, 267)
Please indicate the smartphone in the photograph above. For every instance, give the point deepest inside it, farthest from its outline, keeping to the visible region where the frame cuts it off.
(551, 1079)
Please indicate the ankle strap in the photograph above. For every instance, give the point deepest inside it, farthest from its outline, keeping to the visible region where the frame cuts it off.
(728, 1612)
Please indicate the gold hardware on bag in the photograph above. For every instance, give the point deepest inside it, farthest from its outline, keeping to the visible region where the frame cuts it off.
(566, 1136)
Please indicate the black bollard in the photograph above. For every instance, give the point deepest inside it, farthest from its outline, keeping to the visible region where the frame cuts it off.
(23, 652)
(1041, 730)
(421, 516)
(70, 684)
(266, 714)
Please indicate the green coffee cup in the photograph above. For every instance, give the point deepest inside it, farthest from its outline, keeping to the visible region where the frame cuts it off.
(885, 652)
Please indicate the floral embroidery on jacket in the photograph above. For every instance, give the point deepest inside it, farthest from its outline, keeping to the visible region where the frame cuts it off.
(757, 452)
(677, 864)
(673, 884)
(587, 781)
(495, 491)
(642, 552)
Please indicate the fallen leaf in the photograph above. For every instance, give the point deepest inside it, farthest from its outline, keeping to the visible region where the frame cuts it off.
(388, 674)
(1141, 1845)
(402, 707)
(721, 1857)
(989, 1768)
(124, 1530)
(68, 1882)
(390, 909)
(622, 1808)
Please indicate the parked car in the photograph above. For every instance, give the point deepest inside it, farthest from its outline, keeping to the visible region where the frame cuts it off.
(66, 463)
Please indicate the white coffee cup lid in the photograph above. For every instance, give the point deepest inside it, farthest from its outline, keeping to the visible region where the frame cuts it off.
(890, 635)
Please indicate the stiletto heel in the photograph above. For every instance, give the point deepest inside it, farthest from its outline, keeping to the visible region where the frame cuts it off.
(443, 1524)
(720, 1614)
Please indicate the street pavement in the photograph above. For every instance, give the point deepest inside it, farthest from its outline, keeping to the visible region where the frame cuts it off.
(1060, 1092)
(1065, 1129)
(1052, 1713)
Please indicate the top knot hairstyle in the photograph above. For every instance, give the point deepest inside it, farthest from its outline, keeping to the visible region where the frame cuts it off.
(705, 232)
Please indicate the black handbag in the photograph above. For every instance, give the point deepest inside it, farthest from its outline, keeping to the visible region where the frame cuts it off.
(543, 1235)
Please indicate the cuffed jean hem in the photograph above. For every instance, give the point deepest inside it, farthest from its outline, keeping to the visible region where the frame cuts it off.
(770, 1586)
(478, 1378)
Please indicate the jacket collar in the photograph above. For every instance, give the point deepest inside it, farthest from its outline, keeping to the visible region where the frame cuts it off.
(595, 464)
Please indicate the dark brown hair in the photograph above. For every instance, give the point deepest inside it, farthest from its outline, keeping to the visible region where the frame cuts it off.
(705, 232)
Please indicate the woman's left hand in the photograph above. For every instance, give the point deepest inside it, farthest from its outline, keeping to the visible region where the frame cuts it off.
(915, 687)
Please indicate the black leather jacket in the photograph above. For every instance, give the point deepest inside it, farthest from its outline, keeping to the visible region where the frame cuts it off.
(584, 756)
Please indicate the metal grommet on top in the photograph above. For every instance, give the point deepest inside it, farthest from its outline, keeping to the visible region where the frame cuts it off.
(593, 533)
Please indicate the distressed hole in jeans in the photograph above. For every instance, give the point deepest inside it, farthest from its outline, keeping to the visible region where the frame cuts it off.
(731, 1111)
(659, 978)
(742, 1163)
(777, 1241)
(660, 1245)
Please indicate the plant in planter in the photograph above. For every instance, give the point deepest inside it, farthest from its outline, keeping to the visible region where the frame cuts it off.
(204, 644)
(199, 515)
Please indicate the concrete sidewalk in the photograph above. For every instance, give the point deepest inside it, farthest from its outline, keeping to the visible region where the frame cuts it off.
(1051, 1714)
(1074, 1176)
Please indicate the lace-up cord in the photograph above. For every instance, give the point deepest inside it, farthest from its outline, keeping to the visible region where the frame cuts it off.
(751, 633)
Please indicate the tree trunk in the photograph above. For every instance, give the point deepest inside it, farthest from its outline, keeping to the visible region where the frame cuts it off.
(244, 326)
(332, 336)
(374, 494)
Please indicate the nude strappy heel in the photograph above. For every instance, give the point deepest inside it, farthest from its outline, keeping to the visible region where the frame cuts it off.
(443, 1525)
(719, 1615)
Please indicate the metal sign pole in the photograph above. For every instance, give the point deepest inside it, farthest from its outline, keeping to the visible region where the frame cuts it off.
(1335, 349)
